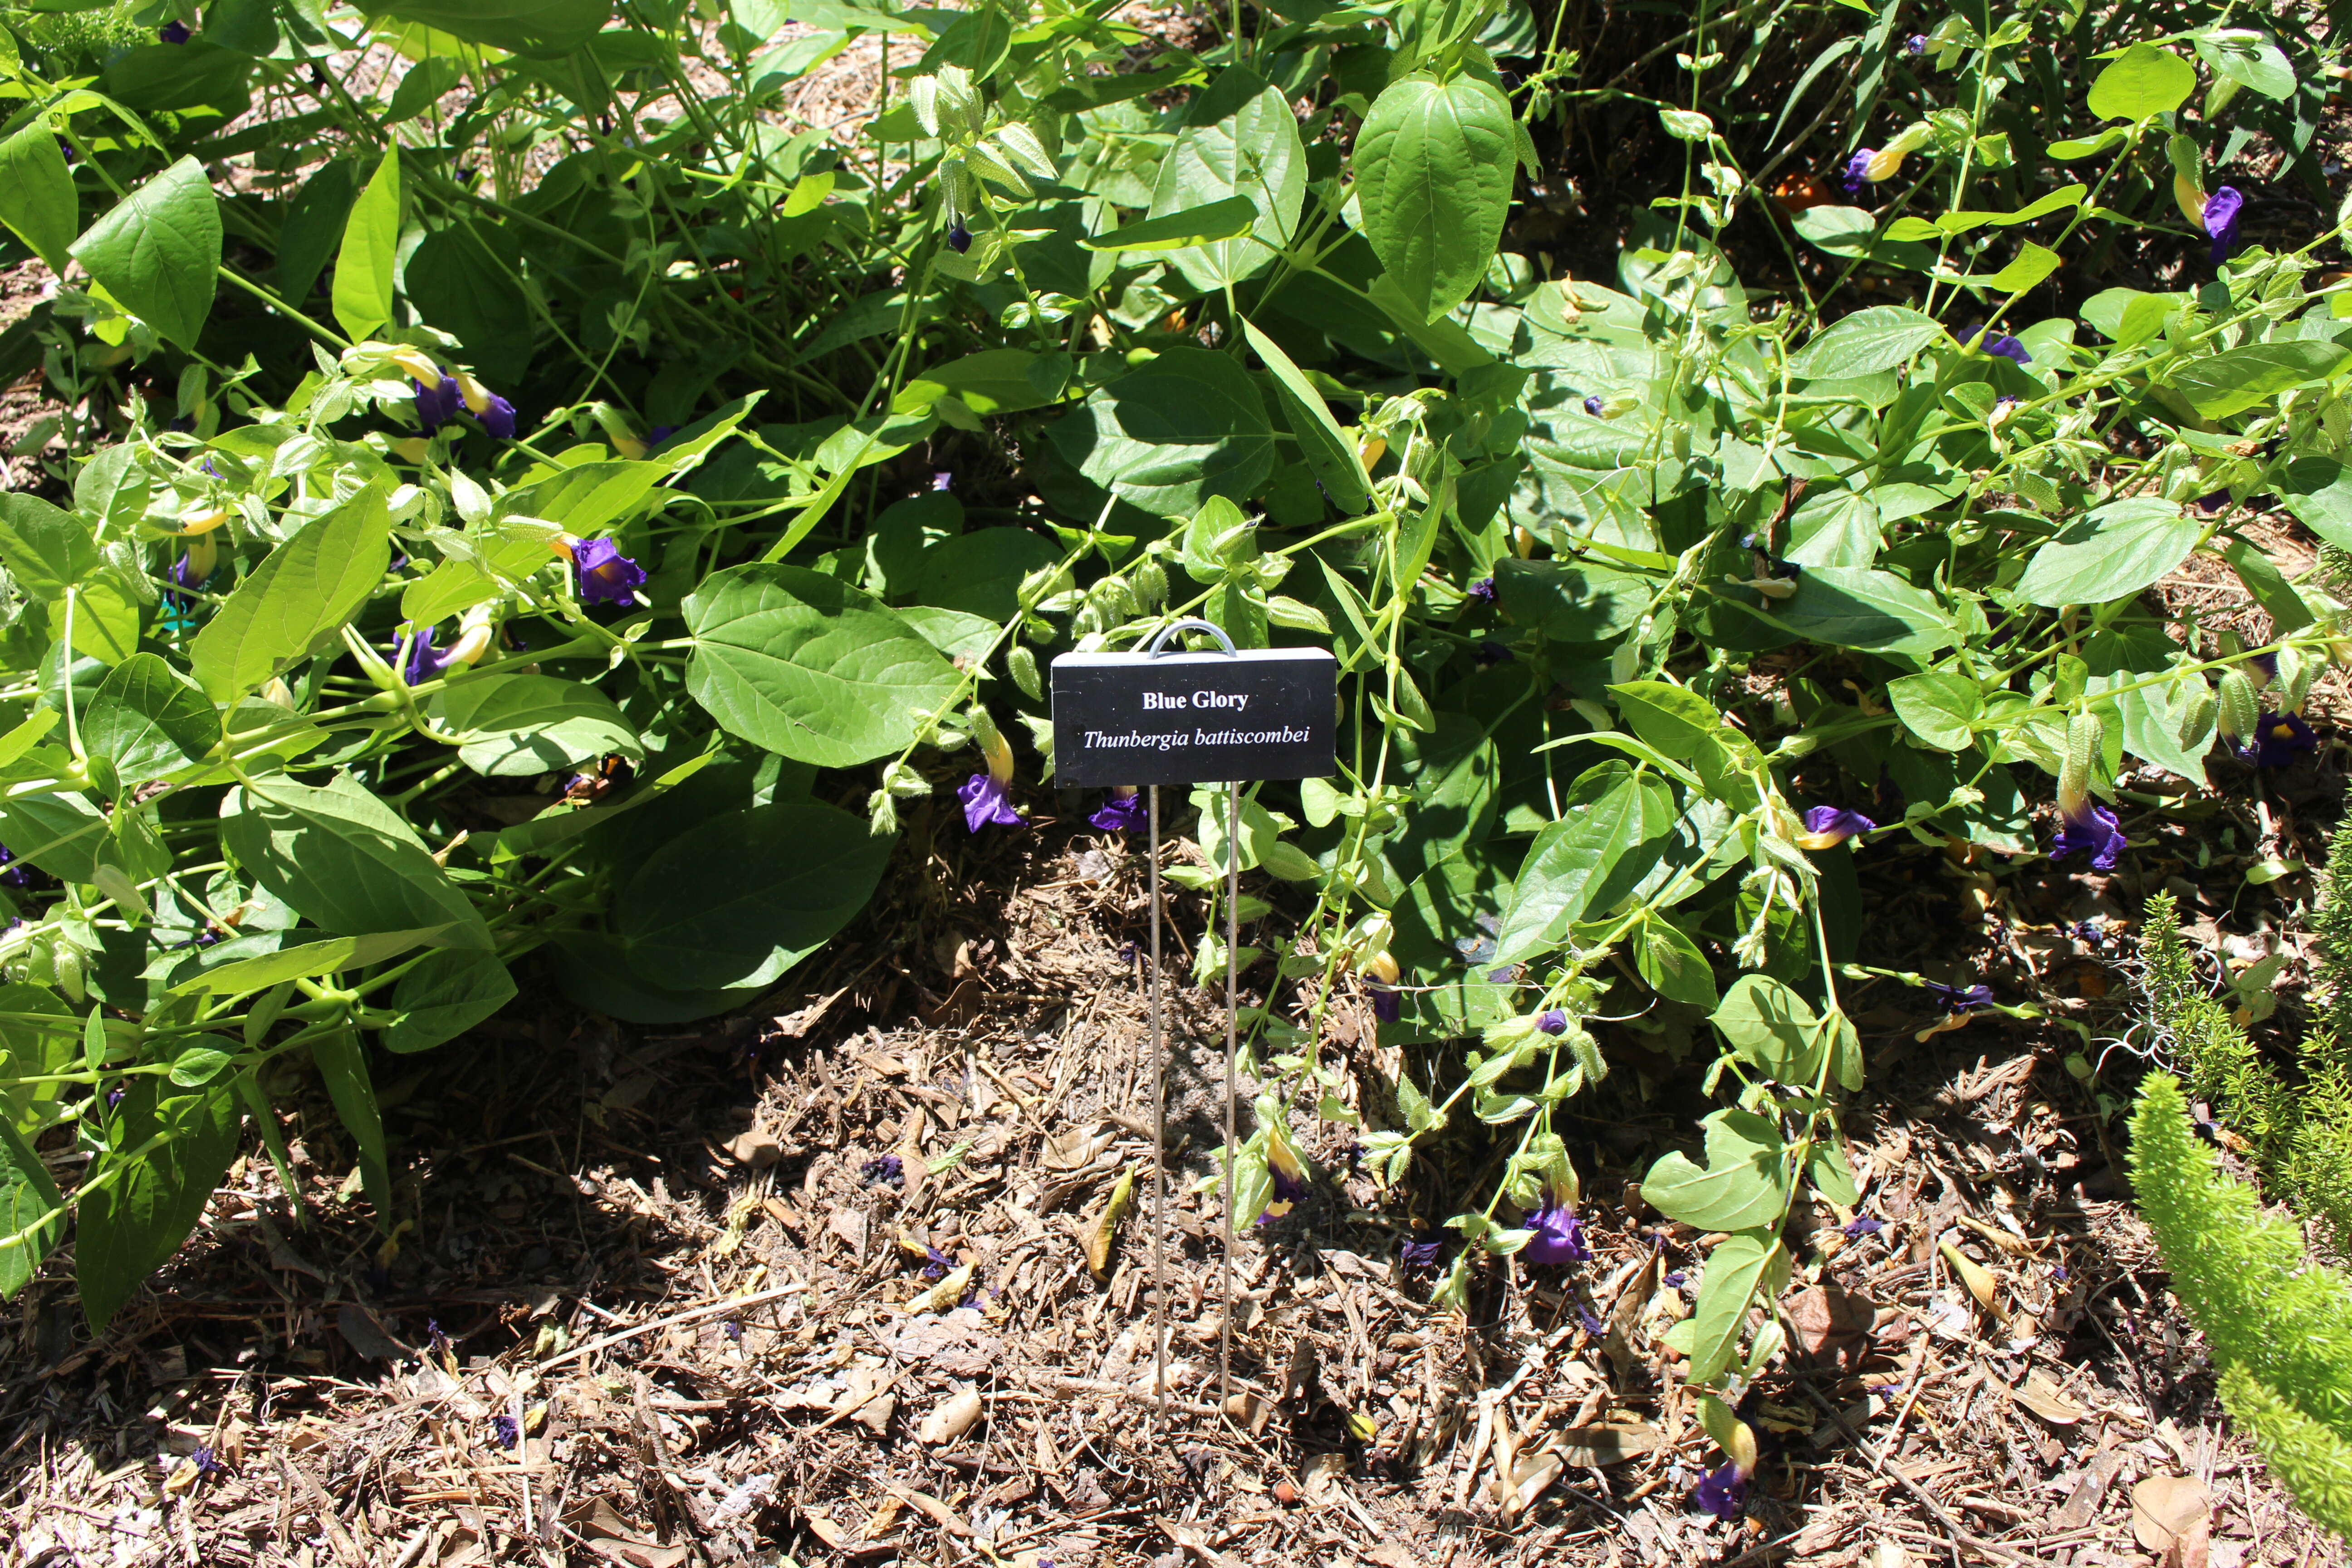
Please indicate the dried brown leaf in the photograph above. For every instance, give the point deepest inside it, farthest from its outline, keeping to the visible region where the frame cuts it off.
(1607, 1443)
(951, 1417)
(2163, 1508)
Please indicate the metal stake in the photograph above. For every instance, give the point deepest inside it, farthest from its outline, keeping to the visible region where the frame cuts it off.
(1158, 1142)
(1233, 1002)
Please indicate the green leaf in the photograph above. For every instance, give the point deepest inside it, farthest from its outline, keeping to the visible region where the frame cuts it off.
(1941, 708)
(2318, 491)
(1239, 138)
(1744, 1185)
(519, 725)
(58, 833)
(1228, 218)
(545, 29)
(105, 618)
(1432, 165)
(308, 960)
(363, 266)
(1182, 427)
(2032, 264)
(808, 666)
(742, 898)
(1736, 1270)
(1848, 607)
(1571, 601)
(146, 721)
(1326, 446)
(158, 251)
(1672, 964)
(344, 859)
(993, 381)
(1864, 343)
(1831, 1176)
(444, 994)
(27, 1197)
(296, 600)
(198, 1059)
(129, 1226)
(314, 225)
(47, 551)
(2145, 79)
(36, 193)
(2110, 553)
(343, 1066)
(2237, 379)
(2269, 586)
(1837, 528)
(1772, 1028)
(1612, 828)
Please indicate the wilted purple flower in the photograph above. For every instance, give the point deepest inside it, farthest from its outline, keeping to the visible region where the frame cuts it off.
(113, 1098)
(2094, 829)
(2221, 212)
(1483, 590)
(606, 576)
(1672, 1278)
(1559, 1237)
(1591, 1320)
(1855, 168)
(434, 1335)
(506, 1430)
(206, 1461)
(1958, 999)
(422, 663)
(2280, 738)
(983, 803)
(1387, 1005)
(1552, 1021)
(733, 1329)
(1722, 1491)
(436, 405)
(1857, 1229)
(958, 238)
(939, 1264)
(1121, 813)
(173, 32)
(1826, 826)
(883, 1170)
(1420, 1254)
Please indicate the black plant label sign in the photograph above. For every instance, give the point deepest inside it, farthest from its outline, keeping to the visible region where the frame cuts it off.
(1194, 718)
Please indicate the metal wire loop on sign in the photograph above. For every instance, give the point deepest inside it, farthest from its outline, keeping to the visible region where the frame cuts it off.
(1158, 648)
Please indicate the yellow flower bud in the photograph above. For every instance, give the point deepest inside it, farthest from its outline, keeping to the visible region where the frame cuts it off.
(203, 555)
(418, 364)
(476, 396)
(409, 449)
(472, 643)
(1381, 966)
(2190, 200)
(204, 522)
(629, 446)
(278, 692)
(999, 751)
(1373, 449)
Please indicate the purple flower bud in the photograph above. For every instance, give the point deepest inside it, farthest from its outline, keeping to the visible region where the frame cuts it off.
(983, 803)
(2006, 347)
(958, 238)
(1915, 45)
(2222, 209)
(1826, 826)
(1593, 405)
(498, 418)
(1855, 168)
(436, 405)
(505, 1429)
(1483, 590)
(606, 576)
(173, 32)
(1552, 1021)
(1387, 1005)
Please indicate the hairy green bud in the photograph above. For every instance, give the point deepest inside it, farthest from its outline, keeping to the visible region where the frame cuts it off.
(2083, 734)
(1021, 664)
(2237, 707)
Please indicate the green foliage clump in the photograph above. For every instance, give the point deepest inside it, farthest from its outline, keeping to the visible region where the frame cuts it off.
(2279, 1330)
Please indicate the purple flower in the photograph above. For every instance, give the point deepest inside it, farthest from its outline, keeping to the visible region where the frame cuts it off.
(436, 405)
(206, 1463)
(1288, 1186)
(942, 479)
(1552, 1021)
(1856, 1229)
(2006, 347)
(939, 1264)
(1490, 653)
(1827, 826)
(1672, 1278)
(422, 663)
(1915, 45)
(1420, 1254)
(2221, 212)
(606, 576)
(1593, 405)
(958, 238)
(1591, 1320)
(733, 1329)
(2094, 829)
(1722, 1491)
(173, 32)
(2212, 502)
(1958, 999)
(1121, 813)
(1387, 1005)
(1855, 170)
(658, 434)
(883, 1170)
(1483, 590)
(983, 803)
(504, 1428)
(2280, 738)
(1559, 1237)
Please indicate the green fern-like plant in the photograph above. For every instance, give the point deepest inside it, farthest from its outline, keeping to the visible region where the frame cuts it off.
(2221, 1065)
(2280, 1329)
